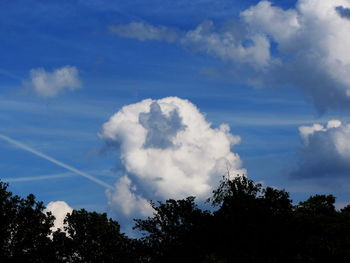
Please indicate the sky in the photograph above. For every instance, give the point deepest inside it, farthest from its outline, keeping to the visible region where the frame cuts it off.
(106, 105)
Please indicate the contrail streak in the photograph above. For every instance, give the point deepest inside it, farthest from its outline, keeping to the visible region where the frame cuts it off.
(53, 160)
(9, 74)
(36, 178)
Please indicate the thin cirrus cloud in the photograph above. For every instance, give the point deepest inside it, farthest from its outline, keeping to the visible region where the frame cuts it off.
(50, 84)
(143, 31)
(168, 150)
(325, 152)
(305, 47)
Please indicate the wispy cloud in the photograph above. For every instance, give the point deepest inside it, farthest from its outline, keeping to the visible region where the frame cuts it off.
(270, 46)
(91, 109)
(49, 84)
(143, 31)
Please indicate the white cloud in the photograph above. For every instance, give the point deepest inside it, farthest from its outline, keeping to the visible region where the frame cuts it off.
(59, 209)
(126, 199)
(312, 43)
(169, 150)
(305, 47)
(325, 151)
(143, 31)
(307, 131)
(274, 21)
(49, 84)
(228, 46)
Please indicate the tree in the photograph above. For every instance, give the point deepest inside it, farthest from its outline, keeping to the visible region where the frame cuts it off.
(176, 232)
(251, 222)
(321, 231)
(24, 229)
(92, 237)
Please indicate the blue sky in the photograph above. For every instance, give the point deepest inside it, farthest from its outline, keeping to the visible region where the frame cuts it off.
(117, 70)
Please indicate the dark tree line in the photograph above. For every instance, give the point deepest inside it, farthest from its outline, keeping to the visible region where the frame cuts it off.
(250, 223)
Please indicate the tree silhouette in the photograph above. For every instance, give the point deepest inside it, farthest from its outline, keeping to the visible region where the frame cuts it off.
(251, 222)
(92, 237)
(24, 229)
(176, 232)
(248, 223)
(321, 231)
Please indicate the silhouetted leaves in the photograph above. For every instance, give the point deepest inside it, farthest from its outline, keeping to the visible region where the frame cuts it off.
(24, 229)
(176, 232)
(249, 223)
(92, 237)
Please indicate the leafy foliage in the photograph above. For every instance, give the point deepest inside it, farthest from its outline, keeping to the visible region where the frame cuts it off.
(249, 223)
(176, 231)
(24, 229)
(92, 237)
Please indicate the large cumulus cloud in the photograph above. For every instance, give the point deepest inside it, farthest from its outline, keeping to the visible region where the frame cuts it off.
(169, 150)
(306, 47)
(325, 151)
